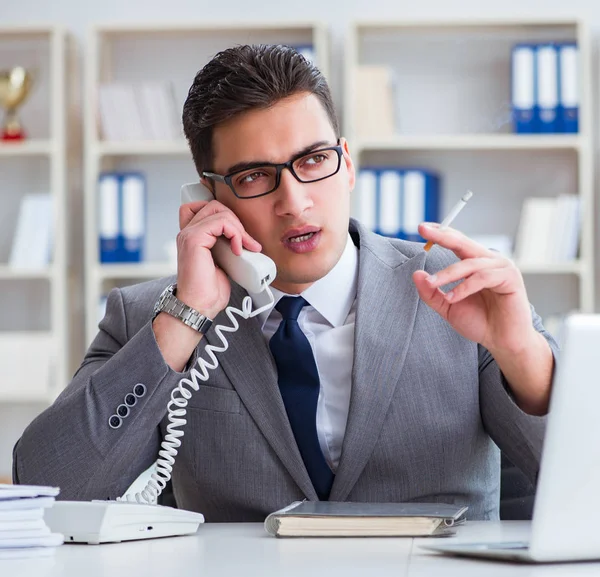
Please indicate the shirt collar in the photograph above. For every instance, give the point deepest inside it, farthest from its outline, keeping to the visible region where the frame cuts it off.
(332, 296)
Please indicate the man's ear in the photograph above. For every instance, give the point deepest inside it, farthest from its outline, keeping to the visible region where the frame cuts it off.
(349, 163)
(209, 184)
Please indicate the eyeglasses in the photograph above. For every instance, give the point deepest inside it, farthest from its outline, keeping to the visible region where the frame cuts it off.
(263, 179)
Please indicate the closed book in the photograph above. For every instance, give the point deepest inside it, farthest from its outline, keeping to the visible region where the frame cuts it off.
(389, 201)
(375, 102)
(420, 202)
(569, 88)
(347, 519)
(535, 230)
(108, 217)
(367, 198)
(523, 89)
(32, 244)
(547, 88)
(133, 217)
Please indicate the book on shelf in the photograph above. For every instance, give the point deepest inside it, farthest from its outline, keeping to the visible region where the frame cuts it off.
(32, 242)
(138, 112)
(394, 201)
(545, 88)
(348, 519)
(375, 102)
(122, 216)
(548, 230)
(16, 350)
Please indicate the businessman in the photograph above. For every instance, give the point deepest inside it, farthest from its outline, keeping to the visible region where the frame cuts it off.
(382, 373)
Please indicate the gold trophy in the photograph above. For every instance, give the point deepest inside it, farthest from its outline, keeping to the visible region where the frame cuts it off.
(15, 85)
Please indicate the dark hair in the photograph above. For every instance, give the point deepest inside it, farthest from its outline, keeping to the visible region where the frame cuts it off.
(243, 78)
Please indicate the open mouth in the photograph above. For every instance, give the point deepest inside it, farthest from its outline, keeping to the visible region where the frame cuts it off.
(302, 238)
(303, 243)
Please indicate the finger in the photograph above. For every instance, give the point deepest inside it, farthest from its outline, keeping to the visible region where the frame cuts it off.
(225, 223)
(461, 245)
(431, 296)
(499, 280)
(215, 210)
(189, 210)
(202, 209)
(232, 232)
(243, 240)
(463, 269)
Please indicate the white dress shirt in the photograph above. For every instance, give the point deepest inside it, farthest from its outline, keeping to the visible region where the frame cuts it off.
(328, 323)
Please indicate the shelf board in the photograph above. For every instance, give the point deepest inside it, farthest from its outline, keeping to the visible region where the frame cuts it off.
(147, 270)
(476, 25)
(29, 30)
(568, 267)
(32, 147)
(204, 27)
(473, 142)
(27, 398)
(11, 273)
(139, 148)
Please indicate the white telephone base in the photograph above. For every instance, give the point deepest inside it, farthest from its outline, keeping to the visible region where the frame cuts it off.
(96, 522)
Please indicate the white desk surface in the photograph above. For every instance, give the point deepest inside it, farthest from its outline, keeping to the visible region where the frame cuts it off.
(228, 550)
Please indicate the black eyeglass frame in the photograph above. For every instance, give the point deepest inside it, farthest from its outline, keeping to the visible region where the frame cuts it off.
(227, 178)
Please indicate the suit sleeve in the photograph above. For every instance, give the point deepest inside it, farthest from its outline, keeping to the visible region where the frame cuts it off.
(519, 435)
(71, 444)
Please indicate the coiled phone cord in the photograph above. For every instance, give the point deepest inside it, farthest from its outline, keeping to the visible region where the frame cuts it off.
(179, 400)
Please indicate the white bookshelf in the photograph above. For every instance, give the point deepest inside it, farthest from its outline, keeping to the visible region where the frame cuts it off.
(452, 115)
(138, 53)
(34, 301)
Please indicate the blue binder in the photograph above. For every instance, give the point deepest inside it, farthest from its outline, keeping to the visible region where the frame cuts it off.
(389, 202)
(568, 107)
(133, 216)
(122, 216)
(547, 88)
(420, 201)
(108, 217)
(405, 198)
(524, 89)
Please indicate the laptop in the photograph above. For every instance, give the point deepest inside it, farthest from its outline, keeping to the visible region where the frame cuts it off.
(566, 512)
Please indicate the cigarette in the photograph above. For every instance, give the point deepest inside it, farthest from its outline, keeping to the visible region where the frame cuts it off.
(451, 215)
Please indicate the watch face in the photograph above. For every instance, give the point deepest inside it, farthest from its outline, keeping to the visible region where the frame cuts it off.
(161, 299)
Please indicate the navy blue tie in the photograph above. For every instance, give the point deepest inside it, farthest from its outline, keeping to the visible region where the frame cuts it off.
(299, 384)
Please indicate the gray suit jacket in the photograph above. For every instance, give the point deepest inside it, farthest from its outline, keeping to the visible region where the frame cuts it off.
(428, 409)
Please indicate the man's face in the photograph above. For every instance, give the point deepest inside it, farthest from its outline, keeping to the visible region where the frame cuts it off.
(278, 134)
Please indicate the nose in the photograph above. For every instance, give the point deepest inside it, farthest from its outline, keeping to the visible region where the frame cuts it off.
(292, 197)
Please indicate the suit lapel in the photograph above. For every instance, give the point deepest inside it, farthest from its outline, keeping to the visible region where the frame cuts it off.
(384, 284)
(250, 367)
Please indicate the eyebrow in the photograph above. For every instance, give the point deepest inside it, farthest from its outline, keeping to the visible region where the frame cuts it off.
(246, 165)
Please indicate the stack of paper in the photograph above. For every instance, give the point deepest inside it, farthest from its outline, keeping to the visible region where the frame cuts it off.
(23, 531)
(549, 230)
(32, 243)
(142, 111)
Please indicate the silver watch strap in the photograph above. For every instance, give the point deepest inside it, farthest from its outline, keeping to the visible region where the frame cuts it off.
(186, 314)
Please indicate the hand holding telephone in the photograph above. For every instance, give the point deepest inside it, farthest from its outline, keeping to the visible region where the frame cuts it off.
(137, 516)
(251, 270)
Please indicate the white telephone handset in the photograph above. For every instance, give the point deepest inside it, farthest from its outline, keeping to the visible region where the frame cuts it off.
(252, 270)
(137, 516)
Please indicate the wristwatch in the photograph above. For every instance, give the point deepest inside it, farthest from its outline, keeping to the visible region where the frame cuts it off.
(169, 303)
